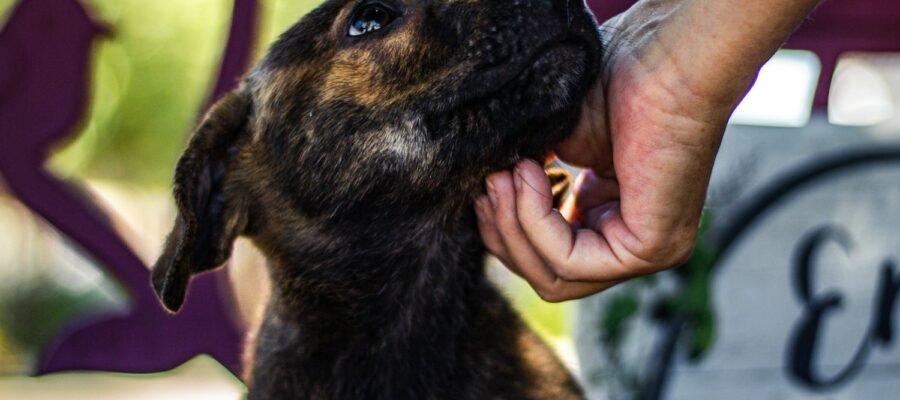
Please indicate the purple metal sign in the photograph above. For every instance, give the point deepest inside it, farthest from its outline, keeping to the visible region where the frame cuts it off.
(45, 53)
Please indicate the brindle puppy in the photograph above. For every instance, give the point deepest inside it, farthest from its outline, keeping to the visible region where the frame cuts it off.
(351, 156)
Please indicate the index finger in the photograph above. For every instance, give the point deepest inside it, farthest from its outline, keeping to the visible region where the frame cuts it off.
(583, 255)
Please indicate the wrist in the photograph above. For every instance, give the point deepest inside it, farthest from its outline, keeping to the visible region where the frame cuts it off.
(711, 49)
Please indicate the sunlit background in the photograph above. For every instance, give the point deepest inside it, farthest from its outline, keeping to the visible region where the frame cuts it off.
(149, 82)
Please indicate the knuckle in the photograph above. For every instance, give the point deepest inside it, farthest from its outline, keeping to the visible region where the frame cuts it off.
(550, 294)
(563, 270)
(665, 252)
(681, 253)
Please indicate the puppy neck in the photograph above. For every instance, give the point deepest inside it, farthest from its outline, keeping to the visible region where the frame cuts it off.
(369, 306)
(373, 265)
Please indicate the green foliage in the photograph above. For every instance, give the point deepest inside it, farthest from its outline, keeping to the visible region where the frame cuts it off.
(33, 312)
(5, 7)
(150, 82)
(620, 310)
(693, 300)
(701, 335)
(550, 320)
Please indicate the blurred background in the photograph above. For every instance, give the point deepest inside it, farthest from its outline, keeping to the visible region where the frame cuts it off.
(829, 105)
(149, 81)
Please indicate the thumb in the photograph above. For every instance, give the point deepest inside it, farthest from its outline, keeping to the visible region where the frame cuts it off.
(589, 146)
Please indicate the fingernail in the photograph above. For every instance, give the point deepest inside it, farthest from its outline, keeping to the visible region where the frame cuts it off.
(492, 195)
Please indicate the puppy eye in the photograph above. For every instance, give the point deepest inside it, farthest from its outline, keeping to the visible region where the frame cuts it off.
(369, 19)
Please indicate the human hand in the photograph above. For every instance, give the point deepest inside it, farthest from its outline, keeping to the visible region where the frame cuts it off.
(647, 136)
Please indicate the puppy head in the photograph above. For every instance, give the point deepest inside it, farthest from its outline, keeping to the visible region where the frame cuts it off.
(368, 109)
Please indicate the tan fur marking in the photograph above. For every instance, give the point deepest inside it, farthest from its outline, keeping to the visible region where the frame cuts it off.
(552, 378)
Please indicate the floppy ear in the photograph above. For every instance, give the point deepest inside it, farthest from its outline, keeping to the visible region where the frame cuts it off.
(208, 221)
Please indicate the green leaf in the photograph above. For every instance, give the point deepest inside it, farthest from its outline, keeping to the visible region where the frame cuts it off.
(620, 310)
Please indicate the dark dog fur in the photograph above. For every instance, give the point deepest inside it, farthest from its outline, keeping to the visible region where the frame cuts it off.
(352, 163)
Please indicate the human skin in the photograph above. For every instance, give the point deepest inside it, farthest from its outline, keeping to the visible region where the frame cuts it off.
(674, 71)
